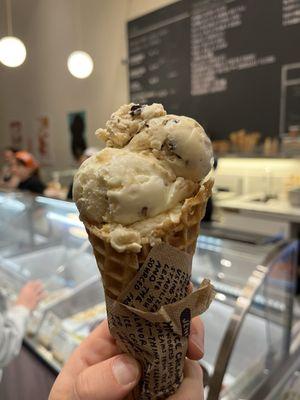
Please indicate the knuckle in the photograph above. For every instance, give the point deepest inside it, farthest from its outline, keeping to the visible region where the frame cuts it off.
(81, 387)
(196, 366)
(200, 372)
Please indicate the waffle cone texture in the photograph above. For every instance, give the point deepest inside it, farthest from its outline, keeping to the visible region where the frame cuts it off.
(118, 269)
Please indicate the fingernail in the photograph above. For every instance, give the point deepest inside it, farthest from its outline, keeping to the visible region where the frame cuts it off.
(190, 288)
(198, 341)
(125, 370)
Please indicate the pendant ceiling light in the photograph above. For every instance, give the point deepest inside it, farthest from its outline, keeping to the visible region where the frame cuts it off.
(80, 63)
(12, 49)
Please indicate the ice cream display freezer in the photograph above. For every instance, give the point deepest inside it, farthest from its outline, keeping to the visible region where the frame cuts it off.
(247, 326)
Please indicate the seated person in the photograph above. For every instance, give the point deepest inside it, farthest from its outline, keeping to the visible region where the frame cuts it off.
(7, 179)
(26, 169)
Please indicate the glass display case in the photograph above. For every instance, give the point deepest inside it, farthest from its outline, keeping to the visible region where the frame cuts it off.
(62, 259)
(16, 223)
(71, 320)
(247, 325)
(285, 383)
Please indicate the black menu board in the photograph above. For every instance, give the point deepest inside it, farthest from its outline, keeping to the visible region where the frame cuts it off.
(230, 64)
(159, 57)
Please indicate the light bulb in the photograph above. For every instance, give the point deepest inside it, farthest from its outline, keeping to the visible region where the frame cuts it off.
(80, 64)
(12, 51)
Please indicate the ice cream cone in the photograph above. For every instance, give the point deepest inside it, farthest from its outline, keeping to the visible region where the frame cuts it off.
(118, 269)
(146, 187)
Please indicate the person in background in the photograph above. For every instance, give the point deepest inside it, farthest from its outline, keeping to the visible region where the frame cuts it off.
(13, 322)
(77, 129)
(89, 152)
(7, 179)
(26, 169)
(210, 205)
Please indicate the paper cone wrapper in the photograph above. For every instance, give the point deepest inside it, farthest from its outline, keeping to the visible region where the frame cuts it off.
(121, 272)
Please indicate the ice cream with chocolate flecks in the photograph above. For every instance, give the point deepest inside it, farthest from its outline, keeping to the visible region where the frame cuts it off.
(152, 163)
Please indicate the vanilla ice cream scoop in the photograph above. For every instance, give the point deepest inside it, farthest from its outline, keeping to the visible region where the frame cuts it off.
(127, 121)
(118, 186)
(178, 140)
(152, 163)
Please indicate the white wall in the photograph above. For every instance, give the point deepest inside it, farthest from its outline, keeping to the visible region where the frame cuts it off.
(43, 85)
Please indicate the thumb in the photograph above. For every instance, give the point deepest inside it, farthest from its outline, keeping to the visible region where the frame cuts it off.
(111, 379)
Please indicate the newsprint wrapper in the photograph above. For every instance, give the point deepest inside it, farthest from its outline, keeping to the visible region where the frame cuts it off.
(151, 319)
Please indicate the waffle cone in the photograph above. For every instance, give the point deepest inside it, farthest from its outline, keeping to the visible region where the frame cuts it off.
(118, 269)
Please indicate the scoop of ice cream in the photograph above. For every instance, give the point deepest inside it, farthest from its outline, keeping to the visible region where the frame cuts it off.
(127, 121)
(178, 140)
(152, 163)
(119, 186)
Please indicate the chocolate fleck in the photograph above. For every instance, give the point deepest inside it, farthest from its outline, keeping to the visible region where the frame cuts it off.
(135, 110)
(176, 121)
(144, 211)
(177, 155)
(170, 145)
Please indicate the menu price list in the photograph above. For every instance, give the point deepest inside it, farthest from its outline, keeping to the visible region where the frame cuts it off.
(202, 56)
(290, 12)
(209, 43)
(158, 57)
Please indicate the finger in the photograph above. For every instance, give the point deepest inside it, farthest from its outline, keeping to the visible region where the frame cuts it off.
(196, 339)
(97, 347)
(35, 282)
(111, 379)
(192, 384)
(44, 294)
(39, 297)
(35, 285)
(39, 285)
(40, 289)
(101, 331)
(190, 288)
(36, 288)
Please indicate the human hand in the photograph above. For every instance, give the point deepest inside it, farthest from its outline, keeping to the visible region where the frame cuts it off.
(30, 295)
(192, 385)
(97, 370)
(55, 193)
